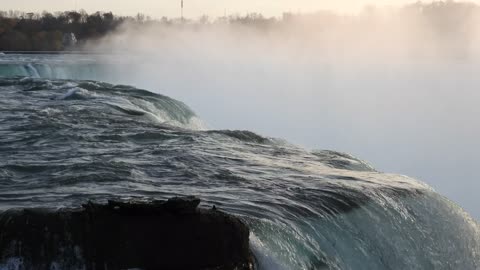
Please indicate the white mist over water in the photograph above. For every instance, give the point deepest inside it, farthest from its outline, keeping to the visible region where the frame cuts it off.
(392, 88)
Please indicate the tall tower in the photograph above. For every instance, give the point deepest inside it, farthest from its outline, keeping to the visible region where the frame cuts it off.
(181, 7)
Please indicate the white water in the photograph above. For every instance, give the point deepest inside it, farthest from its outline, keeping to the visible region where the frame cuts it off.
(306, 209)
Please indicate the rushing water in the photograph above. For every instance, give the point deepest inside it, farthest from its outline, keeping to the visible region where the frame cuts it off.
(63, 142)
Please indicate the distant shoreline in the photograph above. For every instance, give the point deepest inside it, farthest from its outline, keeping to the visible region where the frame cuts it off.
(52, 52)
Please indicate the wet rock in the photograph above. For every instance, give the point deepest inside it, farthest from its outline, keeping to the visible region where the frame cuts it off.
(172, 234)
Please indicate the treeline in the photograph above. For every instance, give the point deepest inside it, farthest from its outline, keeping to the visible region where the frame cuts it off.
(21, 31)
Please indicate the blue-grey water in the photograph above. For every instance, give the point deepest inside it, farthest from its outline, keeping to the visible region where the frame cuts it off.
(66, 141)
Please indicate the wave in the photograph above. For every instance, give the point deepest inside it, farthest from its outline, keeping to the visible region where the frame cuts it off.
(343, 161)
(70, 141)
(242, 135)
(124, 99)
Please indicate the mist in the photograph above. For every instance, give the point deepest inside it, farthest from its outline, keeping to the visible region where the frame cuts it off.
(395, 87)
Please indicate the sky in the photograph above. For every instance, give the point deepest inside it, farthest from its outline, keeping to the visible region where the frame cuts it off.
(196, 8)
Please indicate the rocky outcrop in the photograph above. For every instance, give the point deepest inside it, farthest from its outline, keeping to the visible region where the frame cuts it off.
(172, 234)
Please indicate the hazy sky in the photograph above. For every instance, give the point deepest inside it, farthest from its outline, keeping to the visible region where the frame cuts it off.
(194, 8)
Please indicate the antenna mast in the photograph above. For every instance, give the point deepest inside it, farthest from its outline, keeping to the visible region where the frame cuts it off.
(181, 5)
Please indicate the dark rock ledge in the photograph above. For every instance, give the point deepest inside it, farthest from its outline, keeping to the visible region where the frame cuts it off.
(172, 234)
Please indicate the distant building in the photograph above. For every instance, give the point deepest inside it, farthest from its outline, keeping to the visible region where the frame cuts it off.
(69, 40)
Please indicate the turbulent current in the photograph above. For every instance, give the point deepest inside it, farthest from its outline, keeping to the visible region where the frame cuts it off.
(66, 141)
